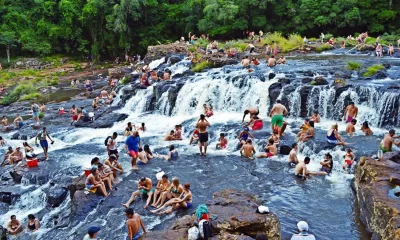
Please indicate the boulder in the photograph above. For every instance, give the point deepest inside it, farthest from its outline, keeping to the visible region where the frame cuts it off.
(284, 150)
(116, 73)
(16, 176)
(380, 75)
(307, 80)
(220, 62)
(320, 81)
(77, 184)
(102, 121)
(304, 92)
(174, 59)
(274, 91)
(184, 74)
(308, 73)
(56, 195)
(284, 80)
(271, 75)
(236, 219)
(379, 209)
(82, 204)
(4, 207)
(159, 51)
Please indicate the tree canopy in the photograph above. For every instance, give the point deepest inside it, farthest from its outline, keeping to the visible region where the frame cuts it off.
(107, 28)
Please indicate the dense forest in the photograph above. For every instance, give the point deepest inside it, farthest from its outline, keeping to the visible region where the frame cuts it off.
(107, 28)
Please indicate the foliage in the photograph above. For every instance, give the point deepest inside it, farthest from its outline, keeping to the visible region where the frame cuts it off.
(199, 67)
(352, 66)
(41, 115)
(77, 66)
(22, 90)
(372, 70)
(30, 96)
(323, 47)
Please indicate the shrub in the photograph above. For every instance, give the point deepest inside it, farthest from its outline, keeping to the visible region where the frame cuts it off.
(199, 67)
(126, 79)
(285, 45)
(201, 42)
(54, 82)
(41, 115)
(353, 66)
(323, 47)
(77, 66)
(192, 48)
(372, 70)
(30, 96)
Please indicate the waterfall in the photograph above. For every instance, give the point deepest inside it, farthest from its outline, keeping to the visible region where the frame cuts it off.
(295, 102)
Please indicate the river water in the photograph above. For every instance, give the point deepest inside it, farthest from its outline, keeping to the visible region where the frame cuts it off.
(327, 203)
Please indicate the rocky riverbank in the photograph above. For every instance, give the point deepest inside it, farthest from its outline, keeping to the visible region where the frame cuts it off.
(377, 186)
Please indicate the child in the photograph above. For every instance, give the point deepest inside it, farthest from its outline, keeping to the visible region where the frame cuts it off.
(270, 150)
(223, 142)
(348, 159)
(274, 137)
(209, 111)
(2, 142)
(244, 135)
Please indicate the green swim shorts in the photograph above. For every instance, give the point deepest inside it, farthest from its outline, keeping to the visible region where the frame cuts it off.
(277, 120)
(384, 150)
(143, 191)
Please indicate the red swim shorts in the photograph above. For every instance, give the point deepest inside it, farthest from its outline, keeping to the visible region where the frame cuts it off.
(133, 154)
(74, 117)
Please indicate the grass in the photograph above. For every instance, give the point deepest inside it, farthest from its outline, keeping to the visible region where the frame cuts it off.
(199, 67)
(55, 59)
(126, 79)
(201, 42)
(240, 45)
(372, 70)
(30, 96)
(352, 66)
(284, 44)
(323, 47)
(23, 91)
(192, 48)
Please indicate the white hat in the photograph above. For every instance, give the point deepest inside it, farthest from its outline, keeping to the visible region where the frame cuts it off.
(263, 209)
(159, 175)
(302, 226)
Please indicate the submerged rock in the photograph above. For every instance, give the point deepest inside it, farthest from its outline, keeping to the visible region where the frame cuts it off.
(379, 210)
(236, 218)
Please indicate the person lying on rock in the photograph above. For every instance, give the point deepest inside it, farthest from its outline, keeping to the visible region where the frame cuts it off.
(145, 187)
(172, 154)
(183, 201)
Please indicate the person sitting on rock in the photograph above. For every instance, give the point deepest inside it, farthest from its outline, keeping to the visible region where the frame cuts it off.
(4, 123)
(16, 156)
(348, 159)
(327, 164)
(304, 137)
(271, 61)
(14, 226)
(162, 186)
(183, 201)
(223, 142)
(194, 137)
(303, 234)
(315, 117)
(145, 187)
(333, 136)
(365, 129)
(92, 184)
(244, 135)
(172, 154)
(18, 121)
(33, 223)
(350, 129)
(6, 156)
(388, 141)
(293, 155)
(114, 165)
(2, 142)
(95, 104)
(154, 76)
(282, 60)
(248, 149)
(133, 224)
(270, 150)
(106, 178)
(88, 86)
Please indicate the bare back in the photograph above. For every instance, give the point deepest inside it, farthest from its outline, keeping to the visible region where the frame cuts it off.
(202, 126)
(248, 150)
(278, 109)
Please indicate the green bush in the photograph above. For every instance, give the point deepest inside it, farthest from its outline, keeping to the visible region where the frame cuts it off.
(201, 42)
(126, 79)
(323, 47)
(199, 67)
(192, 48)
(372, 70)
(285, 45)
(41, 115)
(30, 96)
(77, 66)
(54, 82)
(353, 66)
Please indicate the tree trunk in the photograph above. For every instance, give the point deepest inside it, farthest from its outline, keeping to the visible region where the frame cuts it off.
(390, 3)
(8, 53)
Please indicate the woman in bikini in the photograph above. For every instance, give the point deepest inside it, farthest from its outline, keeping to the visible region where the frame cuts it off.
(162, 186)
(183, 201)
(174, 191)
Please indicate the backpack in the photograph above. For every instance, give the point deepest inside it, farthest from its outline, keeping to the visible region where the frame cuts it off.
(205, 229)
(106, 141)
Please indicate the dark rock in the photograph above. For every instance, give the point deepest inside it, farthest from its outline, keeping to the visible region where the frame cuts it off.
(9, 197)
(274, 91)
(378, 210)
(4, 207)
(393, 156)
(307, 80)
(220, 62)
(184, 74)
(159, 51)
(284, 80)
(340, 90)
(82, 204)
(284, 150)
(308, 73)
(343, 75)
(77, 184)
(56, 195)
(116, 73)
(320, 81)
(380, 75)
(394, 87)
(271, 75)
(16, 176)
(174, 59)
(387, 65)
(103, 121)
(37, 177)
(304, 92)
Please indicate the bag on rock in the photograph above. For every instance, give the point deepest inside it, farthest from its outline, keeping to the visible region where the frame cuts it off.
(205, 229)
(193, 233)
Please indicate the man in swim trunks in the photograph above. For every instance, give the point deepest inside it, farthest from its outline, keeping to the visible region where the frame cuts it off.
(251, 111)
(145, 187)
(270, 150)
(18, 121)
(14, 226)
(133, 224)
(350, 128)
(15, 157)
(103, 96)
(276, 114)
(388, 141)
(246, 62)
(6, 156)
(35, 112)
(202, 125)
(195, 136)
(293, 155)
(271, 61)
(4, 123)
(112, 145)
(350, 112)
(315, 117)
(248, 149)
(74, 112)
(132, 145)
(42, 136)
(301, 169)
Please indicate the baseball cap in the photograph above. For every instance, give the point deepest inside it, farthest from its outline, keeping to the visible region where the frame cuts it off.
(302, 226)
(92, 230)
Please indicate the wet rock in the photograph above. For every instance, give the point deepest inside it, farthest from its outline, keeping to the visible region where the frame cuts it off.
(320, 81)
(4, 207)
(387, 65)
(102, 121)
(116, 73)
(380, 75)
(9, 197)
(308, 73)
(82, 204)
(274, 90)
(174, 59)
(378, 210)
(184, 74)
(16, 176)
(340, 89)
(307, 80)
(344, 75)
(284, 150)
(33, 63)
(220, 62)
(271, 75)
(56, 195)
(77, 184)
(36, 178)
(159, 51)
(393, 156)
(236, 219)
(284, 80)
(304, 92)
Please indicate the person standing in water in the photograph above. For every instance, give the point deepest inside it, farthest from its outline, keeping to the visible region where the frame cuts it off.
(132, 145)
(350, 112)
(301, 169)
(388, 141)
(42, 136)
(251, 111)
(276, 114)
(202, 125)
(35, 112)
(133, 224)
